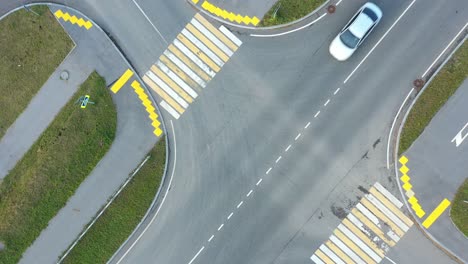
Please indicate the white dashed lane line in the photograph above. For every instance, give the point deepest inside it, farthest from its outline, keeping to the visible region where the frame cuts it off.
(259, 181)
(278, 159)
(267, 172)
(297, 137)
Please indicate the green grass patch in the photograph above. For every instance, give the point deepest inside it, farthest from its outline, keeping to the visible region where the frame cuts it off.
(53, 168)
(434, 97)
(288, 11)
(124, 214)
(459, 211)
(31, 47)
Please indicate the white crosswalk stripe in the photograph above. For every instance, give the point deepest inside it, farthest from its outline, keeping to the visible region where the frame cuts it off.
(331, 255)
(230, 35)
(189, 63)
(166, 88)
(194, 58)
(216, 41)
(176, 79)
(363, 235)
(202, 46)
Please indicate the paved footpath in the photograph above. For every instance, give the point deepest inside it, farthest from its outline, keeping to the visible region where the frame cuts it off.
(134, 138)
(434, 167)
(42, 110)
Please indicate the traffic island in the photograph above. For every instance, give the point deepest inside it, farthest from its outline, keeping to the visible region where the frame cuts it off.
(54, 167)
(431, 164)
(122, 216)
(32, 45)
(286, 11)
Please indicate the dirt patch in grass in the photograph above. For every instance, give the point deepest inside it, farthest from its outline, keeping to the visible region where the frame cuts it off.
(31, 47)
(459, 211)
(285, 11)
(434, 97)
(124, 214)
(53, 168)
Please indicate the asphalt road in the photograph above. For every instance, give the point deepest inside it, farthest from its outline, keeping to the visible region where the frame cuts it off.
(255, 108)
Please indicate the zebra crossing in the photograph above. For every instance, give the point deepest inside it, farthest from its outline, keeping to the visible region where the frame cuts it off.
(374, 225)
(194, 57)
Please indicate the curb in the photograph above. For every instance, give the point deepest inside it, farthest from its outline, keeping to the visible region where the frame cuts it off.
(129, 64)
(434, 241)
(238, 26)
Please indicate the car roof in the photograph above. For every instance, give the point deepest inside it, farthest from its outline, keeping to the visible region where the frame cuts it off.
(361, 25)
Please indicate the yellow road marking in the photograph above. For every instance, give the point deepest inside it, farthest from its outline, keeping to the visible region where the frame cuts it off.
(403, 160)
(200, 72)
(229, 15)
(356, 249)
(157, 132)
(372, 227)
(121, 81)
(391, 206)
(338, 252)
(155, 123)
(323, 257)
(407, 186)
(171, 83)
(163, 94)
(436, 213)
(174, 68)
(404, 169)
(207, 60)
(382, 216)
(363, 237)
(143, 96)
(152, 115)
(151, 109)
(405, 178)
(216, 32)
(207, 42)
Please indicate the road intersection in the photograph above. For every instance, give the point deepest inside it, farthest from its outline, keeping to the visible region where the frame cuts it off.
(282, 144)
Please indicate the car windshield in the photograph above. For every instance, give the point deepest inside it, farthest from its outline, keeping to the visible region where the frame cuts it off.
(349, 39)
(370, 13)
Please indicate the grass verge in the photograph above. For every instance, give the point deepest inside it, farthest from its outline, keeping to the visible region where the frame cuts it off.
(459, 211)
(31, 47)
(53, 168)
(434, 97)
(288, 11)
(124, 214)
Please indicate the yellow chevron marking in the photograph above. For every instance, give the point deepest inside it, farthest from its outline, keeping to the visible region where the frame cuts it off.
(73, 19)
(229, 15)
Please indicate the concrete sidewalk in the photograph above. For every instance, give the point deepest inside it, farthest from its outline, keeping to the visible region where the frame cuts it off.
(134, 138)
(435, 167)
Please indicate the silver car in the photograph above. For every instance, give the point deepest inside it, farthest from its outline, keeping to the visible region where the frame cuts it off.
(355, 31)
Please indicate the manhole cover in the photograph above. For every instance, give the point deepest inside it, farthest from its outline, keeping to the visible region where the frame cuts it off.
(64, 75)
(331, 9)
